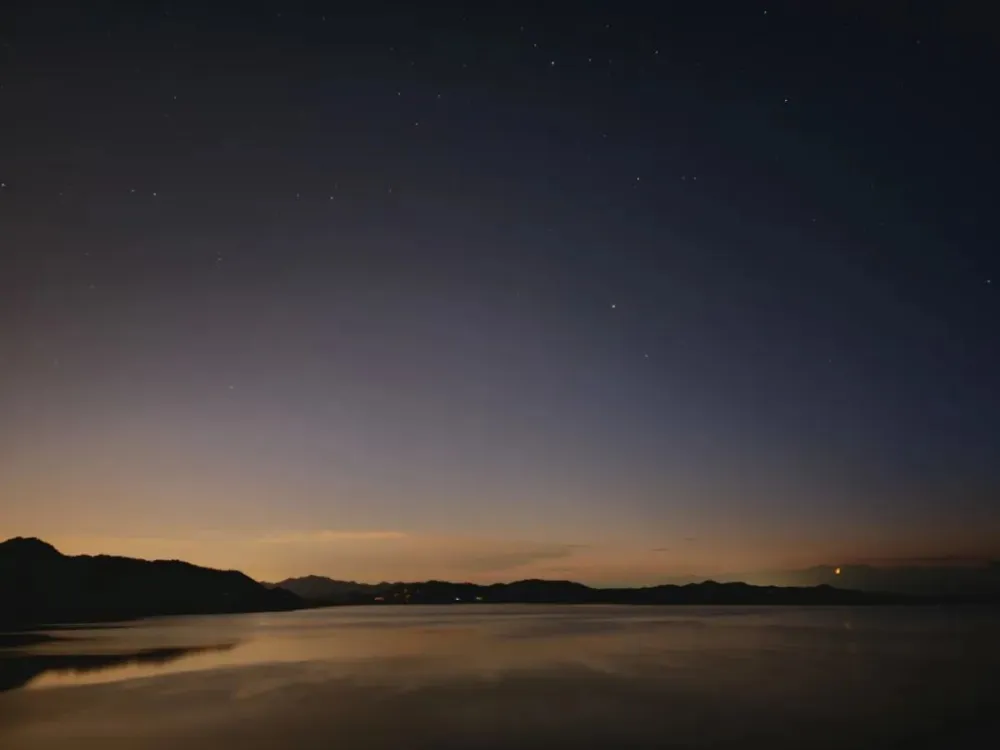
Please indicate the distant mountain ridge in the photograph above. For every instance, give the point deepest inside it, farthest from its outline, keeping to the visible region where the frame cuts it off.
(39, 584)
(320, 590)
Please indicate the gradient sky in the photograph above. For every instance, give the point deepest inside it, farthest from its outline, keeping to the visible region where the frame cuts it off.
(618, 294)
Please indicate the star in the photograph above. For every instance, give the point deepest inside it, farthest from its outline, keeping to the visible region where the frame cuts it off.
(613, 305)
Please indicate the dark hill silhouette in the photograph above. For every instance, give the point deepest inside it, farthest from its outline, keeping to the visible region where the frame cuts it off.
(39, 584)
(319, 590)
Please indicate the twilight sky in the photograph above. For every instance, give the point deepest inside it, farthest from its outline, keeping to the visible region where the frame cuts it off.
(617, 293)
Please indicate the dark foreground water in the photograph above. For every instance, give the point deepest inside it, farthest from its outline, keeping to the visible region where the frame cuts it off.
(532, 677)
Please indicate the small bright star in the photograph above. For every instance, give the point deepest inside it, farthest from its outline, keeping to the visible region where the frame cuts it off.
(613, 306)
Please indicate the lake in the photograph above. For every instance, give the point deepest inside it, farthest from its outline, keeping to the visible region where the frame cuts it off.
(516, 676)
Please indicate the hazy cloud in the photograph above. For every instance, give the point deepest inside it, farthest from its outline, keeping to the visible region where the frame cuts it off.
(333, 535)
(934, 560)
(515, 558)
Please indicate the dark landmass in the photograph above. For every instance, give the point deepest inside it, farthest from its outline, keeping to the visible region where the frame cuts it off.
(39, 584)
(941, 577)
(324, 591)
(18, 669)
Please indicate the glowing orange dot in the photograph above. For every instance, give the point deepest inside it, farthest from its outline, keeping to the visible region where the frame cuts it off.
(836, 571)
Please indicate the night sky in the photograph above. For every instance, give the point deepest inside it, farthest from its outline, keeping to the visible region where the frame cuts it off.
(618, 292)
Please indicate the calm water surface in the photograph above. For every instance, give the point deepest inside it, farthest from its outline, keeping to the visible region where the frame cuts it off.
(512, 677)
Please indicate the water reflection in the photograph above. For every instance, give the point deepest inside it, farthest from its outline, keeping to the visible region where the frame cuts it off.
(19, 669)
(520, 677)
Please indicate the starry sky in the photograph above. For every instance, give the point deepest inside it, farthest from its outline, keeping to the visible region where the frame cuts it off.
(616, 292)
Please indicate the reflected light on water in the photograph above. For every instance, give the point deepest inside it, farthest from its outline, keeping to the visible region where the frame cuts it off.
(495, 677)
